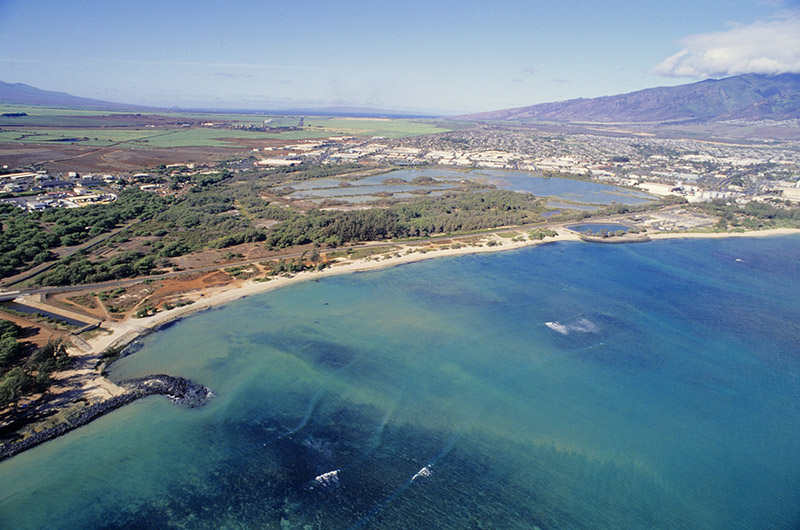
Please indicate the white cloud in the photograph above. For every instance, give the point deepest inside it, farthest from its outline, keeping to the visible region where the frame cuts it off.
(763, 47)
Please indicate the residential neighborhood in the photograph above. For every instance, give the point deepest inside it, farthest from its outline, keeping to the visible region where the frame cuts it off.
(697, 170)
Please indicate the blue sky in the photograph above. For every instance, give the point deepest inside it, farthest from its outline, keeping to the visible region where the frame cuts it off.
(430, 55)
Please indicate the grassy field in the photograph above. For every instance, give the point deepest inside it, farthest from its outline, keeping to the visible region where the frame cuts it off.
(54, 120)
(389, 128)
(94, 128)
(53, 111)
(91, 137)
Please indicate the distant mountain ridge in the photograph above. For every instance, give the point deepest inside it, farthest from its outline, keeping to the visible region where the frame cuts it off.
(746, 97)
(359, 112)
(22, 94)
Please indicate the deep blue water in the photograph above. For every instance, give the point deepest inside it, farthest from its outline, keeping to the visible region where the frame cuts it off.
(561, 386)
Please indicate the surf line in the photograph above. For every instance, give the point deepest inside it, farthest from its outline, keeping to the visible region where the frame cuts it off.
(425, 472)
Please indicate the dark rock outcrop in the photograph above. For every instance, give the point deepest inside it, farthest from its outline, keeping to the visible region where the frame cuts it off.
(181, 391)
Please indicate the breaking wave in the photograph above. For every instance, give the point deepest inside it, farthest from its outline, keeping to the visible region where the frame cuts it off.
(327, 479)
(579, 325)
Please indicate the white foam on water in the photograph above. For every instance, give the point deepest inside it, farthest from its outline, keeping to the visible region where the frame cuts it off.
(422, 473)
(581, 325)
(584, 325)
(326, 479)
(557, 327)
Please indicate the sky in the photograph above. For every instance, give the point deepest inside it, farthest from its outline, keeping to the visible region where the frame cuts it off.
(433, 56)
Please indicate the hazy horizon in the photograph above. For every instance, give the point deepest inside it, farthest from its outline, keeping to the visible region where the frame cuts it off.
(422, 58)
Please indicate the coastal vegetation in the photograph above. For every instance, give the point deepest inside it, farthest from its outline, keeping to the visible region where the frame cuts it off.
(24, 369)
(753, 215)
(224, 209)
(541, 233)
(428, 216)
(145, 233)
(28, 238)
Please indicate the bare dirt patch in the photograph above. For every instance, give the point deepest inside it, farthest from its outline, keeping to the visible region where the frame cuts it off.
(60, 159)
(231, 255)
(187, 288)
(86, 303)
(35, 332)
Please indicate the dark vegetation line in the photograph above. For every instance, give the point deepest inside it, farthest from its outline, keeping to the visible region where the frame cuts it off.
(222, 209)
(750, 216)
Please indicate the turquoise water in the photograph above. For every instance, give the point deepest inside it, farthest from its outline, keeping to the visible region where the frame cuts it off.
(564, 386)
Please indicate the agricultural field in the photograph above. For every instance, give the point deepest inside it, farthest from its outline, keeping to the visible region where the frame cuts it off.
(93, 128)
(100, 137)
(54, 111)
(388, 128)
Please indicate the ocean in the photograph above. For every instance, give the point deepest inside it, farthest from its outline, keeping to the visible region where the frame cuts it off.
(569, 385)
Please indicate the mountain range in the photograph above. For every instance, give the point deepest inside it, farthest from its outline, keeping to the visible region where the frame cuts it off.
(22, 94)
(746, 97)
(749, 97)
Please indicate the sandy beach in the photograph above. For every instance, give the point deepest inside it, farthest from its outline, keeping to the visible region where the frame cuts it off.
(127, 330)
(85, 382)
(721, 235)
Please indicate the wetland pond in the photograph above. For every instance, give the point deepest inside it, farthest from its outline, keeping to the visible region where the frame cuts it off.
(561, 191)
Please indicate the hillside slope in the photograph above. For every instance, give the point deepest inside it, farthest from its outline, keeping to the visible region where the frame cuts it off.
(22, 94)
(748, 97)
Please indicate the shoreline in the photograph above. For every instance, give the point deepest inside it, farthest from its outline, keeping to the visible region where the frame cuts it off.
(128, 330)
(724, 235)
(179, 390)
(97, 389)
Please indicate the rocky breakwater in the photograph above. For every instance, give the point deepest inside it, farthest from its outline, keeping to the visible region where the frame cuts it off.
(179, 390)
